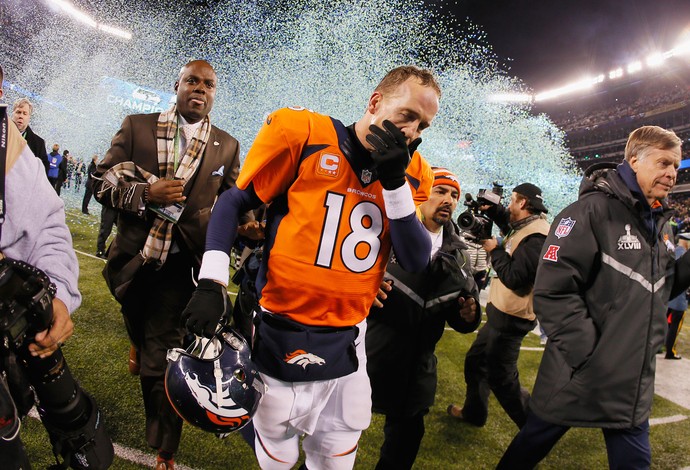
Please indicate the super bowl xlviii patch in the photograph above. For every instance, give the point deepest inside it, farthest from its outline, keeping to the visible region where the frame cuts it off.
(564, 227)
(552, 253)
(629, 242)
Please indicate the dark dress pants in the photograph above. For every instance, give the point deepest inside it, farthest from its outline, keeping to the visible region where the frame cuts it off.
(480, 279)
(108, 218)
(88, 193)
(491, 365)
(402, 438)
(627, 449)
(674, 325)
(152, 309)
(56, 184)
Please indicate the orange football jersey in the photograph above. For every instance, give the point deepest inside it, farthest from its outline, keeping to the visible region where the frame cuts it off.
(331, 244)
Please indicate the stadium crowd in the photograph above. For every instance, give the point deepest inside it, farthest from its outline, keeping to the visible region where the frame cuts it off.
(624, 110)
(680, 203)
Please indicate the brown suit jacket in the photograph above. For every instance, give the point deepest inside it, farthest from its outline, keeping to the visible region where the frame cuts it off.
(136, 142)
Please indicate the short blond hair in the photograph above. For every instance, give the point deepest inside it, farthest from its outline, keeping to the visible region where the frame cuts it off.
(399, 75)
(647, 138)
(22, 102)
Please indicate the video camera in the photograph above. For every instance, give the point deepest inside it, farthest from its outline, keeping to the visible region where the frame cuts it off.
(69, 414)
(474, 222)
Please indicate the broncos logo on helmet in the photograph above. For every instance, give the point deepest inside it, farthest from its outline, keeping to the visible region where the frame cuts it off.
(214, 384)
(303, 358)
(205, 397)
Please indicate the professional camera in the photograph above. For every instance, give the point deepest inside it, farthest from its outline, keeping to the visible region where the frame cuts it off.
(474, 222)
(69, 414)
(25, 301)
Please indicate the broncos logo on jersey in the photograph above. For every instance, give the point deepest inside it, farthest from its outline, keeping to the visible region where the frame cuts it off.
(303, 358)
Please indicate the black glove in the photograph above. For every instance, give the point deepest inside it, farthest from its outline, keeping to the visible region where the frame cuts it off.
(208, 303)
(391, 153)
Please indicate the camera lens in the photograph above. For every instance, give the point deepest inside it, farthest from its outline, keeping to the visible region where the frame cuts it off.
(466, 220)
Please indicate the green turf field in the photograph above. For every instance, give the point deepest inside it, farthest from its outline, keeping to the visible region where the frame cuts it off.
(97, 353)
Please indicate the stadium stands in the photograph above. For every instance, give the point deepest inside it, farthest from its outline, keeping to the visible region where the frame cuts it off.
(597, 125)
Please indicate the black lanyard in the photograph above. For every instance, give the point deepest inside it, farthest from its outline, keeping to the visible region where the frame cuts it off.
(3, 160)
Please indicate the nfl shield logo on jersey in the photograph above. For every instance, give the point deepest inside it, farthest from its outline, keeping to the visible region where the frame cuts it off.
(366, 176)
(564, 227)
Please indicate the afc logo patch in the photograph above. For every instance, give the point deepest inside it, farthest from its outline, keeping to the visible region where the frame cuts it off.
(329, 165)
(564, 227)
(552, 253)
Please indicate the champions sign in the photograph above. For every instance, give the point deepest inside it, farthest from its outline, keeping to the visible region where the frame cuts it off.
(134, 98)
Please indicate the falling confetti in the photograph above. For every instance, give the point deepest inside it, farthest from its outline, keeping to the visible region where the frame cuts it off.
(326, 56)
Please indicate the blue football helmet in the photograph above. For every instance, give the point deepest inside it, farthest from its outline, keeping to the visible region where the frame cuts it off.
(213, 384)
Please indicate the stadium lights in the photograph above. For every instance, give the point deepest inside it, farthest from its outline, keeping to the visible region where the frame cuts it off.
(634, 66)
(616, 73)
(583, 84)
(655, 60)
(82, 17)
(681, 49)
(683, 46)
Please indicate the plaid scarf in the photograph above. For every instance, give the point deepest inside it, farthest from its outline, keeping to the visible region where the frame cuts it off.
(159, 238)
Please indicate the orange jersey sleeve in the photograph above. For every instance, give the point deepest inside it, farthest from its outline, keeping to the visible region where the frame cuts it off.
(272, 161)
(420, 170)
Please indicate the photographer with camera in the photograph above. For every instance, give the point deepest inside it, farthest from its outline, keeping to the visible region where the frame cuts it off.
(402, 333)
(38, 291)
(491, 362)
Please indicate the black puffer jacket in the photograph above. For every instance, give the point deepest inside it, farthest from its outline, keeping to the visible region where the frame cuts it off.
(401, 336)
(601, 292)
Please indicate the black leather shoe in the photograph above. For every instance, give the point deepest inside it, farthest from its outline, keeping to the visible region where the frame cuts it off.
(672, 356)
(101, 255)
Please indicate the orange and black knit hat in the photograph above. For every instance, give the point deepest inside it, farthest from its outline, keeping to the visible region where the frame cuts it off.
(444, 176)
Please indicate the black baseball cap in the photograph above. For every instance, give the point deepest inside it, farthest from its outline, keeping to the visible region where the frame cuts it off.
(533, 195)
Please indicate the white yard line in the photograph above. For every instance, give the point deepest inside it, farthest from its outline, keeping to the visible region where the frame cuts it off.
(89, 255)
(667, 420)
(141, 458)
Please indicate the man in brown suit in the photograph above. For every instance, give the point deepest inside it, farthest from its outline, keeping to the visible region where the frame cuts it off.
(163, 173)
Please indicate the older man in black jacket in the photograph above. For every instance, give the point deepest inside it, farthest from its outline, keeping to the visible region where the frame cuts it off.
(402, 335)
(21, 115)
(606, 275)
